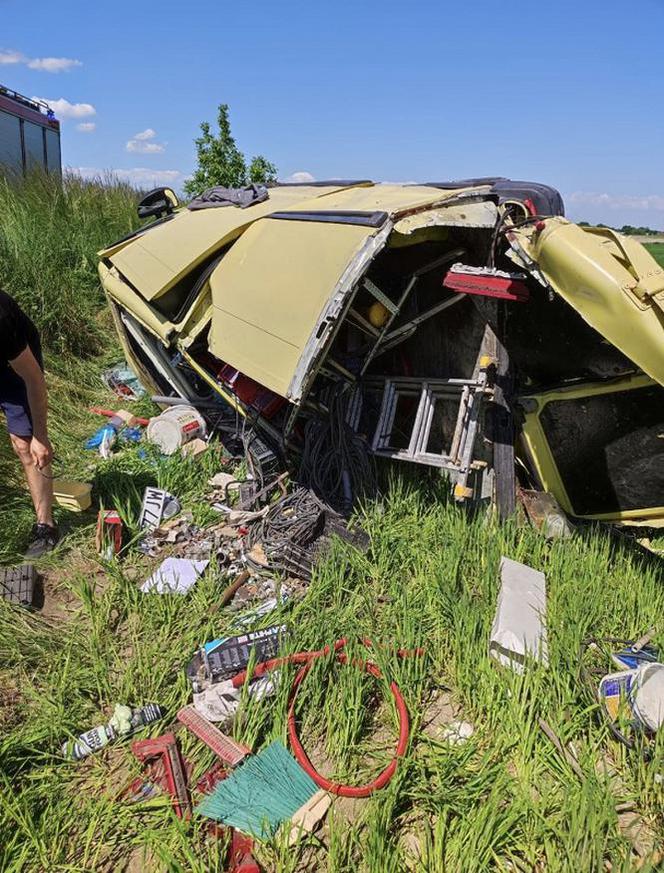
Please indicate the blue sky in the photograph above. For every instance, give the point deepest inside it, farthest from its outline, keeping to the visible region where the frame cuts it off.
(568, 93)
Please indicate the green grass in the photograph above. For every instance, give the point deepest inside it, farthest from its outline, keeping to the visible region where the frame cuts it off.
(49, 236)
(429, 580)
(657, 251)
(504, 800)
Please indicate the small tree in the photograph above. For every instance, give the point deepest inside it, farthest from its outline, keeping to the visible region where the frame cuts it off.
(220, 162)
(262, 170)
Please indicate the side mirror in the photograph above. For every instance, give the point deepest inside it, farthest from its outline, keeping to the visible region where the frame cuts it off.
(158, 202)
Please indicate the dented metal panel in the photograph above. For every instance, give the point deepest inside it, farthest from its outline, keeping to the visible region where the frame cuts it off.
(269, 294)
(396, 200)
(613, 283)
(155, 261)
(121, 293)
(480, 214)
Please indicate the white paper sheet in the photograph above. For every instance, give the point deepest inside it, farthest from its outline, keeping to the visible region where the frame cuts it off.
(518, 629)
(174, 576)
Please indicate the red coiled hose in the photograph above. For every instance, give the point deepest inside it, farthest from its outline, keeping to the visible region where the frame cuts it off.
(306, 659)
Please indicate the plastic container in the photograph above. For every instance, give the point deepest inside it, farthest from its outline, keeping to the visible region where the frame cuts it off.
(641, 691)
(176, 427)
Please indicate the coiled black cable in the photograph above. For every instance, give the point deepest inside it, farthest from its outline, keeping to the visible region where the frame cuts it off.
(335, 462)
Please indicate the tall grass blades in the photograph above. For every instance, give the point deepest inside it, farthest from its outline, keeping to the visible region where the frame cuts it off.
(50, 231)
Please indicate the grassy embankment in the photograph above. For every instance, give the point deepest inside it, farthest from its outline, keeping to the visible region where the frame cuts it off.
(657, 251)
(503, 801)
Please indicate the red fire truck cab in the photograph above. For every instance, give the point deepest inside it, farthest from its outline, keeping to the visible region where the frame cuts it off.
(29, 135)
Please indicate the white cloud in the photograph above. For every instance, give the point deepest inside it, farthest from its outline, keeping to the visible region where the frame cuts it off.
(141, 177)
(64, 109)
(86, 127)
(300, 176)
(44, 65)
(9, 56)
(145, 148)
(54, 65)
(140, 143)
(650, 202)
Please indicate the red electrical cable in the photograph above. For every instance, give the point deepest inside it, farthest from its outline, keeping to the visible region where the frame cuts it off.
(307, 659)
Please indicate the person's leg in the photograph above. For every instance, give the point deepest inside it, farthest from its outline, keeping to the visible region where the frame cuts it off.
(14, 403)
(39, 481)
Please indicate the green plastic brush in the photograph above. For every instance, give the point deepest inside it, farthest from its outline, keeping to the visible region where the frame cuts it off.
(265, 790)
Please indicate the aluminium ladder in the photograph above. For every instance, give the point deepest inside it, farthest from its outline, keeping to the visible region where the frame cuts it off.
(457, 458)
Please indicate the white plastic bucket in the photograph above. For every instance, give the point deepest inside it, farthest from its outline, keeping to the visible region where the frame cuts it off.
(176, 427)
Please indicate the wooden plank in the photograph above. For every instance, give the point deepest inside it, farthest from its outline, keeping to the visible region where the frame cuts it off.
(503, 428)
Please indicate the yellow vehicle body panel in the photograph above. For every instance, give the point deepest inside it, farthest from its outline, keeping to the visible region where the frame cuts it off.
(611, 281)
(121, 293)
(539, 450)
(269, 291)
(273, 289)
(393, 199)
(154, 261)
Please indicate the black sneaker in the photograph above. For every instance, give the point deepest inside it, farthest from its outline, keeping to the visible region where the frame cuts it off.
(43, 538)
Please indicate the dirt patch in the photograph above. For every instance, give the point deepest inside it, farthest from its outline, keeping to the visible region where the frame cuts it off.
(56, 602)
(631, 824)
(347, 810)
(143, 860)
(10, 700)
(411, 845)
(439, 712)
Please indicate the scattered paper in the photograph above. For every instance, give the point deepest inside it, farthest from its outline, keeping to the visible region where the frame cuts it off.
(194, 448)
(220, 701)
(174, 576)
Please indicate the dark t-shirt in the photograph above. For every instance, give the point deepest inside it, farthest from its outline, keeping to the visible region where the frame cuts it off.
(16, 332)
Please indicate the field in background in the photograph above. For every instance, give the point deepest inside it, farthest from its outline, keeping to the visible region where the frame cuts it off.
(505, 800)
(657, 251)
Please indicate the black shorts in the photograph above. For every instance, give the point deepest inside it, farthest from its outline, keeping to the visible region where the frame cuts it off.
(14, 403)
(14, 397)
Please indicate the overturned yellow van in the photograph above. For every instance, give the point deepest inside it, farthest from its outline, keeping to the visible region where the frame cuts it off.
(468, 326)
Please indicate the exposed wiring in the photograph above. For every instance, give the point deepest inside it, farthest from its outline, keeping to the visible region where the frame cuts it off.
(502, 227)
(294, 520)
(335, 461)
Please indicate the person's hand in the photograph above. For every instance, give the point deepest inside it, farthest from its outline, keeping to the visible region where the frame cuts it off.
(41, 451)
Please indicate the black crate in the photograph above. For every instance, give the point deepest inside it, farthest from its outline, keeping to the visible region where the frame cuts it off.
(17, 584)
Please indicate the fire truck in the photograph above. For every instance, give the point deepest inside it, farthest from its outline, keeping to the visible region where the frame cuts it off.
(29, 135)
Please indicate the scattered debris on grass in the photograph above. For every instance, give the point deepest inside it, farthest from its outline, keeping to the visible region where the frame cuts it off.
(221, 659)
(631, 702)
(158, 505)
(519, 630)
(108, 536)
(449, 336)
(166, 768)
(175, 427)
(73, 496)
(124, 721)
(457, 732)
(17, 584)
(123, 381)
(174, 576)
